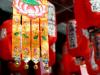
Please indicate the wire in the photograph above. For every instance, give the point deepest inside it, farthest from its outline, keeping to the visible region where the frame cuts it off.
(64, 8)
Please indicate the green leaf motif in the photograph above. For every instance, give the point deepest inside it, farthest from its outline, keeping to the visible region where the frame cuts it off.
(44, 38)
(36, 37)
(25, 36)
(31, 2)
(16, 33)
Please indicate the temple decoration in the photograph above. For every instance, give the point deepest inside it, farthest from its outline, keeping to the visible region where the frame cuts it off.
(51, 20)
(16, 39)
(30, 10)
(26, 38)
(35, 41)
(44, 41)
(30, 32)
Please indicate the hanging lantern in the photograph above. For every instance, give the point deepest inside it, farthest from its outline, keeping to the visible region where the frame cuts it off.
(16, 39)
(26, 39)
(52, 36)
(87, 7)
(35, 41)
(77, 43)
(30, 32)
(44, 42)
(92, 9)
(5, 40)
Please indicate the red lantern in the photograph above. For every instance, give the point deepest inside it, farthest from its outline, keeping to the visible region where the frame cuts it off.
(87, 13)
(77, 43)
(5, 40)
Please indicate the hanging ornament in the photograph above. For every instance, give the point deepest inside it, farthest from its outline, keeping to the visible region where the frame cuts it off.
(44, 42)
(77, 43)
(35, 42)
(26, 51)
(16, 37)
(30, 32)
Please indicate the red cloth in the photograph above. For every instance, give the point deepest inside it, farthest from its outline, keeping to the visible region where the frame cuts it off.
(6, 46)
(90, 70)
(89, 66)
(84, 15)
(52, 57)
(68, 65)
(52, 39)
(5, 43)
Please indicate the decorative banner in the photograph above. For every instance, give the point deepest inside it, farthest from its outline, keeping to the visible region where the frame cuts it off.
(44, 42)
(29, 10)
(35, 41)
(16, 37)
(32, 36)
(72, 38)
(95, 5)
(26, 53)
(51, 20)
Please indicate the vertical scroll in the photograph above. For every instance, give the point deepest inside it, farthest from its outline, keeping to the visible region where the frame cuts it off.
(44, 42)
(16, 37)
(35, 41)
(26, 52)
